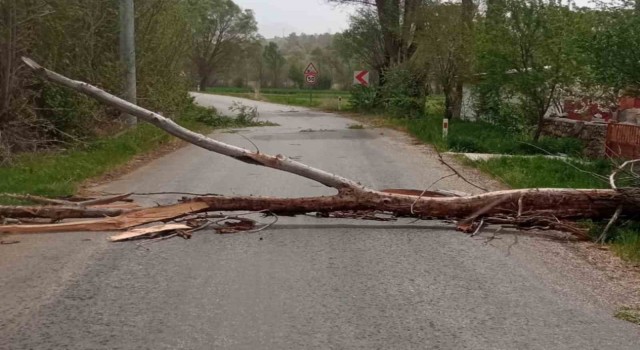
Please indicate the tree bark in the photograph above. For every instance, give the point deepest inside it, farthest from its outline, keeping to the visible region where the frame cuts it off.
(127, 220)
(58, 212)
(509, 205)
(279, 162)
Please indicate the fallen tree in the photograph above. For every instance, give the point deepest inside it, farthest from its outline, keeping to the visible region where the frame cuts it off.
(542, 208)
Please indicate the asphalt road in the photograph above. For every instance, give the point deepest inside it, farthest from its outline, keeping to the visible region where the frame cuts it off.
(306, 283)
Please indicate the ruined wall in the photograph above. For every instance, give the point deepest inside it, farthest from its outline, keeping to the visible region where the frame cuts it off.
(592, 133)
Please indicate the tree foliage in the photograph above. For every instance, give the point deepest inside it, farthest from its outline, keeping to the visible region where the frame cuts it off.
(398, 22)
(613, 49)
(274, 62)
(80, 38)
(445, 51)
(220, 28)
(527, 51)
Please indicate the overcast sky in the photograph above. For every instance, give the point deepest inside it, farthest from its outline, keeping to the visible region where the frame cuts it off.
(278, 17)
(301, 16)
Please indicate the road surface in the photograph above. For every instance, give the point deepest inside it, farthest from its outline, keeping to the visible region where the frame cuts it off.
(306, 283)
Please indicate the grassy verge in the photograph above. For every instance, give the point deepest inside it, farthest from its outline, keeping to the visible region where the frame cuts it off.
(482, 137)
(324, 99)
(538, 171)
(60, 174)
(629, 314)
(532, 171)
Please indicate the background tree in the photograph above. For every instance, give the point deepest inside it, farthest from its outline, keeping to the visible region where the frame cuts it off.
(219, 28)
(613, 49)
(82, 41)
(444, 51)
(296, 74)
(398, 23)
(528, 53)
(363, 41)
(274, 62)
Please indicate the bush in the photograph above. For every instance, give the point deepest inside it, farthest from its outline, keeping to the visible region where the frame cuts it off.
(363, 98)
(465, 144)
(324, 82)
(245, 114)
(403, 94)
(67, 112)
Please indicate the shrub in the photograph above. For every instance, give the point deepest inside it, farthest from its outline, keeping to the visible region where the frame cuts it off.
(245, 114)
(464, 144)
(403, 94)
(363, 99)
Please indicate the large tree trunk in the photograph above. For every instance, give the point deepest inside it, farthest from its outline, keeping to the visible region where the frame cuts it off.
(507, 206)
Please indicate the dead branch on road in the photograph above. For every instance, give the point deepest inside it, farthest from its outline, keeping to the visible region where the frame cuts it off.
(545, 208)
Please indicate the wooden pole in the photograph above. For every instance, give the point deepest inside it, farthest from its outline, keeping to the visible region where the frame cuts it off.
(128, 55)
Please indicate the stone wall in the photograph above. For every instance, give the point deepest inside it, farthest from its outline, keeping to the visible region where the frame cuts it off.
(593, 134)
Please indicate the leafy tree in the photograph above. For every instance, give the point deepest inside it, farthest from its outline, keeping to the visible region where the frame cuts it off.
(362, 41)
(614, 50)
(296, 74)
(528, 50)
(274, 61)
(444, 51)
(81, 41)
(398, 23)
(219, 29)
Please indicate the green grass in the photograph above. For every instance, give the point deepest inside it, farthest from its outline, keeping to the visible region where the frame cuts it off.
(482, 137)
(325, 99)
(629, 314)
(538, 171)
(60, 174)
(625, 242)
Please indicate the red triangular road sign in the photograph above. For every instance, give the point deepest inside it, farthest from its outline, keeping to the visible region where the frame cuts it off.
(311, 70)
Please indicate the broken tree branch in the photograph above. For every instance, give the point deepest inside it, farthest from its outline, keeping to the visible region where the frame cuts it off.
(279, 162)
(131, 219)
(58, 212)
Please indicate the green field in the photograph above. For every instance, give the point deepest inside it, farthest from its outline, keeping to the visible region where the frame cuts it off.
(324, 99)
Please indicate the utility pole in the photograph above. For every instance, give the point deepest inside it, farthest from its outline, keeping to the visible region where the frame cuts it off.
(128, 55)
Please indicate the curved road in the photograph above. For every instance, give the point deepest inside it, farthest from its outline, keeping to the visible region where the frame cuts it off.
(306, 283)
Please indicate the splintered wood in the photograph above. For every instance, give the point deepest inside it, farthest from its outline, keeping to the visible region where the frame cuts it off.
(549, 208)
(148, 231)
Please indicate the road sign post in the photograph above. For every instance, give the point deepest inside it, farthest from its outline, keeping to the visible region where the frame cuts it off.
(311, 78)
(445, 128)
(361, 77)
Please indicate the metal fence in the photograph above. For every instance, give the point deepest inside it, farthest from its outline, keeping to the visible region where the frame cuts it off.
(623, 141)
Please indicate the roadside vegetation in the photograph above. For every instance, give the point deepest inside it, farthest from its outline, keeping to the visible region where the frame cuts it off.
(52, 139)
(60, 173)
(323, 99)
(516, 58)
